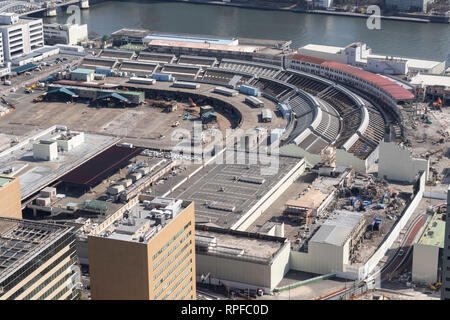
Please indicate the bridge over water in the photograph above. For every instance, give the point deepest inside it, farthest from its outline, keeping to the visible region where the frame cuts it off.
(47, 8)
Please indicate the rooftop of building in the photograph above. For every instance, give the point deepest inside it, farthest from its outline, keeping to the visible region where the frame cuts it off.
(416, 63)
(144, 220)
(434, 233)
(312, 199)
(430, 80)
(396, 91)
(21, 240)
(238, 244)
(4, 181)
(224, 192)
(338, 227)
(323, 48)
(34, 174)
(83, 71)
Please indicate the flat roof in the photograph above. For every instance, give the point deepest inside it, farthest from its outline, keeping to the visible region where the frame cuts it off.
(434, 233)
(34, 174)
(21, 240)
(189, 38)
(338, 227)
(430, 80)
(4, 181)
(96, 169)
(216, 186)
(199, 45)
(322, 48)
(238, 243)
(139, 223)
(83, 71)
(415, 63)
(312, 199)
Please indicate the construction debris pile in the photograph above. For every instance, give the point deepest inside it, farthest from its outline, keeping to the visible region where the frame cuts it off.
(382, 207)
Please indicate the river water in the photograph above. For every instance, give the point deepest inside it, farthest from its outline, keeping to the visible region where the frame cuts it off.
(420, 40)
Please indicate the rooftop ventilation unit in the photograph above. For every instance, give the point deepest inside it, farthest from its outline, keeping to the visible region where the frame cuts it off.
(222, 207)
(254, 180)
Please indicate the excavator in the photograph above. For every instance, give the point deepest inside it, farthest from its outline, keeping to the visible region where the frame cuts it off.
(435, 286)
(437, 105)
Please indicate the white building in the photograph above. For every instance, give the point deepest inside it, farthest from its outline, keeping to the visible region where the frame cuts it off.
(427, 252)
(240, 259)
(69, 141)
(70, 34)
(323, 4)
(358, 54)
(408, 5)
(45, 150)
(20, 36)
(330, 248)
(397, 163)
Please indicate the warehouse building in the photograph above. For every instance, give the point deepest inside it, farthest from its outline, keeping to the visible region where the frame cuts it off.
(240, 259)
(427, 252)
(70, 34)
(331, 247)
(37, 261)
(358, 54)
(233, 195)
(10, 198)
(80, 74)
(145, 251)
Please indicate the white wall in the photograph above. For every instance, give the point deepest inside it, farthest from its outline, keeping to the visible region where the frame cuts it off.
(47, 152)
(425, 264)
(321, 258)
(396, 163)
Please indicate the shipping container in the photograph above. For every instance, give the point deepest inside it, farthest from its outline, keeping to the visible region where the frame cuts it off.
(162, 77)
(252, 91)
(254, 102)
(142, 80)
(186, 85)
(225, 91)
(266, 115)
(285, 110)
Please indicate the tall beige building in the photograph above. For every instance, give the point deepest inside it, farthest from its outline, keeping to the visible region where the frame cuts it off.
(145, 251)
(37, 261)
(10, 198)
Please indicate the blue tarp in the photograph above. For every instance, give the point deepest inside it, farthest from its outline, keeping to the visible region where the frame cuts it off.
(64, 90)
(112, 95)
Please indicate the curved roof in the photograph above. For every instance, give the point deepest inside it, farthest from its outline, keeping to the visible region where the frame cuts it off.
(395, 90)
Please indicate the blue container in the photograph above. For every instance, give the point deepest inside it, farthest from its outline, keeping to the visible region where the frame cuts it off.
(106, 72)
(285, 110)
(162, 76)
(252, 91)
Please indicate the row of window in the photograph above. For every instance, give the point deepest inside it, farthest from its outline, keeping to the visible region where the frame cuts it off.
(171, 271)
(169, 292)
(168, 253)
(156, 255)
(45, 271)
(172, 260)
(181, 290)
(56, 286)
(174, 278)
(28, 268)
(49, 279)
